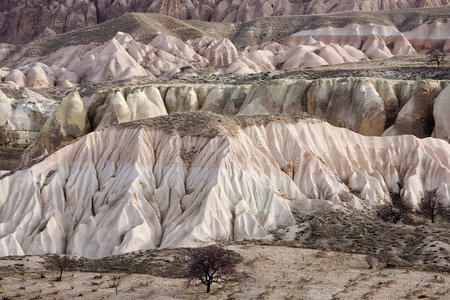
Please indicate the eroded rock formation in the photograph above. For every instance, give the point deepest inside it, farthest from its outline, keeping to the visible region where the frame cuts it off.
(185, 179)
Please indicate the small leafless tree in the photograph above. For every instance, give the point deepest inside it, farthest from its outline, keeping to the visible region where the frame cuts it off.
(115, 281)
(62, 262)
(430, 205)
(437, 57)
(211, 264)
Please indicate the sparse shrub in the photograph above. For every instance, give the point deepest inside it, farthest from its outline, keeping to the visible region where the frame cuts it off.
(388, 213)
(429, 205)
(395, 211)
(62, 263)
(437, 57)
(371, 260)
(211, 264)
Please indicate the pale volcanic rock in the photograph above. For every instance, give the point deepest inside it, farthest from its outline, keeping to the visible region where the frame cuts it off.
(16, 76)
(319, 7)
(181, 99)
(372, 39)
(416, 116)
(114, 110)
(426, 36)
(300, 56)
(279, 97)
(308, 54)
(441, 113)
(65, 77)
(176, 47)
(23, 21)
(25, 117)
(218, 52)
(67, 122)
(252, 62)
(360, 108)
(38, 78)
(5, 109)
(375, 48)
(226, 100)
(187, 179)
(110, 61)
(141, 107)
(154, 96)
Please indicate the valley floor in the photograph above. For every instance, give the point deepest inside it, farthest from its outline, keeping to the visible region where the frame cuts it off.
(269, 272)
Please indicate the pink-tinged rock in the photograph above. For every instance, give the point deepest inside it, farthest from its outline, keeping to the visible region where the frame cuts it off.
(426, 36)
(37, 78)
(218, 52)
(441, 113)
(375, 48)
(17, 77)
(330, 55)
(301, 56)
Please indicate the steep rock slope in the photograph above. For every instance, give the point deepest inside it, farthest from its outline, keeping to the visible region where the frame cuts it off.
(185, 179)
(122, 57)
(50, 17)
(369, 106)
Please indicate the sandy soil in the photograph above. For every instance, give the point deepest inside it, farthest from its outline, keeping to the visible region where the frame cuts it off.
(269, 272)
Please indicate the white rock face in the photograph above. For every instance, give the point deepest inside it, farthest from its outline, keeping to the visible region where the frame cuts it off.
(122, 57)
(441, 113)
(114, 60)
(22, 118)
(416, 116)
(5, 109)
(114, 110)
(185, 179)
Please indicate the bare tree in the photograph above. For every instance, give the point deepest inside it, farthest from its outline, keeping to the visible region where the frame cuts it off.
(115, 281)
(437, 57)
(62, 262)
(211, 264)
(430, 205)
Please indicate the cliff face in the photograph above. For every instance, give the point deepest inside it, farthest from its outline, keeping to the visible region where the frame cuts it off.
(23, 20)
(185, 179)
(369, 106)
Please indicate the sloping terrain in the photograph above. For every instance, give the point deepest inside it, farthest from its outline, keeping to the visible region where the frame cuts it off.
(268, 272)
(370, 106)
(46, 18)
(139, 45)
(187, 179)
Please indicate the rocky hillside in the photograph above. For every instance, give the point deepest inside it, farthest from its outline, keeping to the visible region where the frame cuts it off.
(23, 21)
(369, 106)
(139, 45)
(186, 179)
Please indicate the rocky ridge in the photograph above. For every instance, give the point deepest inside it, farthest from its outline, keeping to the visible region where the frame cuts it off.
(185, 179)
(46, 18)
(369, 106)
